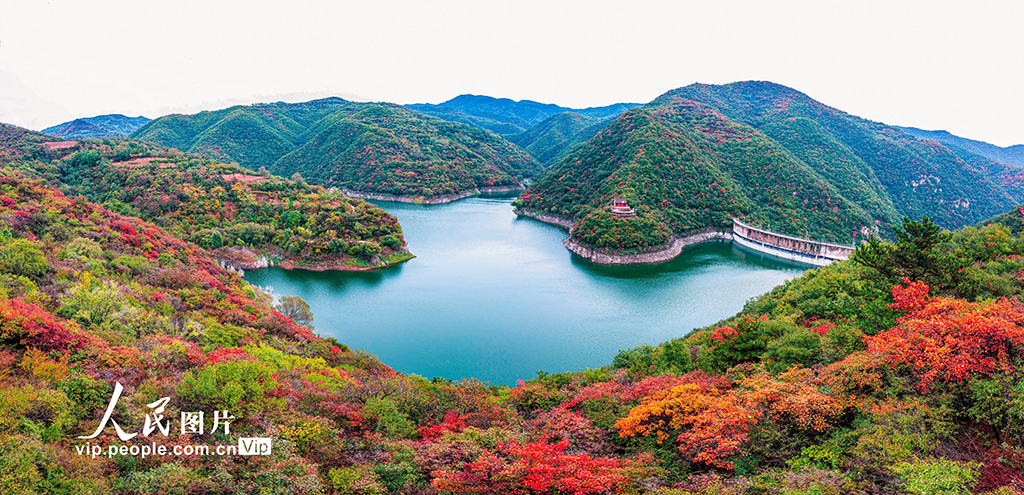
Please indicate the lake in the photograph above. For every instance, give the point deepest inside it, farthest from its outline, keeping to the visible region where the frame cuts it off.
(496, 297)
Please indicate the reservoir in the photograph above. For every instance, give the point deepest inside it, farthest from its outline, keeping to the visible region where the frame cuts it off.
(497, 297)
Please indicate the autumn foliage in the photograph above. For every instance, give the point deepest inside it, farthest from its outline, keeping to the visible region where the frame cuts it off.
(542, 467)
(709, 425)
(947, 339)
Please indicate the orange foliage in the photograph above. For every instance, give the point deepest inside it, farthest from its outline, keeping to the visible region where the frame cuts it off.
(792, 397)
(951, 339)
(859, 376)
(44, 368)
(714, 424)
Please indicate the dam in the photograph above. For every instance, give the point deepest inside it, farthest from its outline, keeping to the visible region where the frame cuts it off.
(797, 249)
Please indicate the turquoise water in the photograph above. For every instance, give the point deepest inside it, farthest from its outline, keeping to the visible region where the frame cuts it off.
(496, 297)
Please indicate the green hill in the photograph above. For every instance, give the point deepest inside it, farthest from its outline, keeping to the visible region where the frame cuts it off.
(699, 155)
(367, 147)
(254, 136)
(507, 117)
(244, 218)
(388, 149)
(1013, 220)
(1010, 155)
(18, 143)
(559, 134)
(101, 126)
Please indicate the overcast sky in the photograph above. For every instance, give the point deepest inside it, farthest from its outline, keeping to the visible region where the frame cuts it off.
(957, 66)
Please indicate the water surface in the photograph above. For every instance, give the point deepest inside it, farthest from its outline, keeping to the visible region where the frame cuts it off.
(496, 297)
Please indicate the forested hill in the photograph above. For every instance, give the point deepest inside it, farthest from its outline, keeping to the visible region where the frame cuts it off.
(101, 126)
(368, 147)
(389, 149)
(18, 143)
(699, 155)
(1010, 155)
(507, 117)
(254, 136)
(239, 215)
(556, 136)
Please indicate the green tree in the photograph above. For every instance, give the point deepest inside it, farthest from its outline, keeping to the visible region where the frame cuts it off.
(297, 310)
(23, 257)
(369, 249)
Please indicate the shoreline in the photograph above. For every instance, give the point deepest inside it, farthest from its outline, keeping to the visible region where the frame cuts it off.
(432, 200)
(240, 260)
(660, 254)
(556, 220)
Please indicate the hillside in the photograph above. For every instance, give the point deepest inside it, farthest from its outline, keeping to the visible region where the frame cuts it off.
(101, 126)
(553, 138)
(17, 143)
(245, 219)
(829, 384)
(365, 147)
(505, 116)
(699, 155)
(1010, 155)
(254, 136)
(387, 149)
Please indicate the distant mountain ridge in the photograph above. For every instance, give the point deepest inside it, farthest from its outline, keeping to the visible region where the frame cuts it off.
(699, 155)
(1010, 155)
(554, 137)
(101, 126)
(375, 148)
(506, 116)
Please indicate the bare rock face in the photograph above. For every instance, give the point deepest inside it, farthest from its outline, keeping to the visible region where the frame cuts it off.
(240, 258)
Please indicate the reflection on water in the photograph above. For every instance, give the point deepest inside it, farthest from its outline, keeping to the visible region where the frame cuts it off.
(498, 298)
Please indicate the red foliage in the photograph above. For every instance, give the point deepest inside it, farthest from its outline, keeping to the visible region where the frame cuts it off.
(453, 422)
(33, 326)
(911, 298)
(228, 354)
(824, 328)
(723, 334)
(712, 424)
(951, 339)
(541, 467)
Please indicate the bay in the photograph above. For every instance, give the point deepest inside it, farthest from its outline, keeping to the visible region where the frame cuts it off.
(498, 298)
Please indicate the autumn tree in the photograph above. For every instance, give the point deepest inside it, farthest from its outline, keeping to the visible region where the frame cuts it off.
(542, 467)
(297, 310)
(709, 425)
(951, 339)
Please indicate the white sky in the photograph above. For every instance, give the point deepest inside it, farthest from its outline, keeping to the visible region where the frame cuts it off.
(957, 66)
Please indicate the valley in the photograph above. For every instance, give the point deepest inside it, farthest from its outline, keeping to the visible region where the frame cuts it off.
(258, 260)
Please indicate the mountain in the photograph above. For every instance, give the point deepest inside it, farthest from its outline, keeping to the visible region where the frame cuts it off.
(554, 137)
(17, 143)
(367, 147)
(1013, 220)
(505, 116)
(697, 156)
(102, 126)
(1010, 155)
(382, 148)
(243, 218)
(254, 136)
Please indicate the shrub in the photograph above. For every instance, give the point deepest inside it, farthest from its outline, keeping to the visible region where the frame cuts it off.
(239, 387)
(23, 257)
(937, 476)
